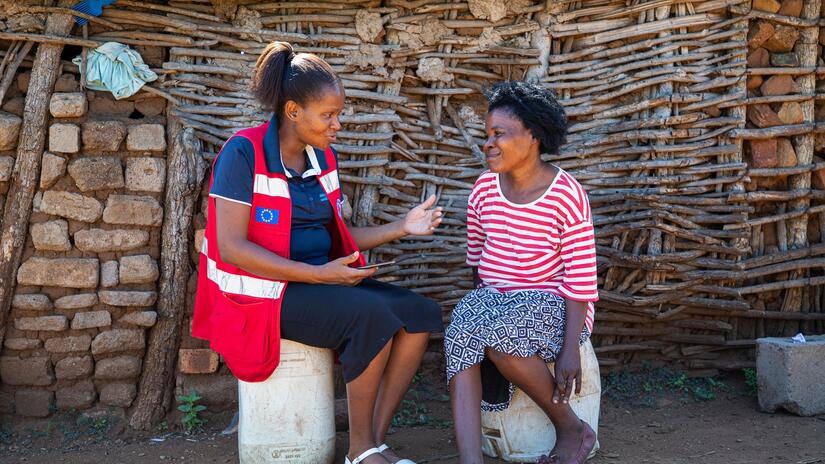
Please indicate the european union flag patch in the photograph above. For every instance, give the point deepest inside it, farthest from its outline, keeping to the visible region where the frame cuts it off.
(266, 215)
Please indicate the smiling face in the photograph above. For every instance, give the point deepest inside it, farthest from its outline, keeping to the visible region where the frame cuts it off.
(316, 122)
(509, 144)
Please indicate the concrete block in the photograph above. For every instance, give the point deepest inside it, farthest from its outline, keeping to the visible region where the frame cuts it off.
(146, 137)
(52, 168)
(91, 319)
(68, 105)
(81, 395)
(197, 361)
(51, 235)
(121, 367)
(59, 272)
(145, 174)
(78, 301)
(112, 341)
(101, 241)
(118, 394)
(26, 371)
(31, 302)
(108, 274)
(103, 136)
(42, 323)
(791, 375)
(133, 210)
(68, 344)
(21, 344)
(71, 206)
(97, 173)
(64, 138)
(138, 269)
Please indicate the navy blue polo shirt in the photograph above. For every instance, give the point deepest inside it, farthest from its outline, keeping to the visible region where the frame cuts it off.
(310, 241)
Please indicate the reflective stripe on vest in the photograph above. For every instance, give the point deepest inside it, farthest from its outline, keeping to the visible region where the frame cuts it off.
(271, 186)
(329, 181)
(240, 284)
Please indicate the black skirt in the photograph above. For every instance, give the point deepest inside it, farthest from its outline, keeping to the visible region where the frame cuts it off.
(354, 321)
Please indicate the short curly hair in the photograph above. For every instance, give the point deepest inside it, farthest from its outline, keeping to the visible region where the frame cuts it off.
(536, 107)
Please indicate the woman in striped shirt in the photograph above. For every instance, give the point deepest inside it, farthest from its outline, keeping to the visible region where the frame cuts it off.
(530, 244)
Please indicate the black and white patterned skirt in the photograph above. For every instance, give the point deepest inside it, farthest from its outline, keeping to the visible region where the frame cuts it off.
(519, 323)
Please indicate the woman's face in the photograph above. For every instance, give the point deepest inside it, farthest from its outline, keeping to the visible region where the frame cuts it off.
(317, 121)
(509, 144)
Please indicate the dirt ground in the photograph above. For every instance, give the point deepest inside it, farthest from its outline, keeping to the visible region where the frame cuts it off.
(724, 427)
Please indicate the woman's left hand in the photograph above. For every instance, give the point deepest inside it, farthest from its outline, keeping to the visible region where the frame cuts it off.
(568, 374)
(422, 220)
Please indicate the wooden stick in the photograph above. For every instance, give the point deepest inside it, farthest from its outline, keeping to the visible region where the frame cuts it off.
(157, 381)
(18, 204)
(11, 70)
(49, 39)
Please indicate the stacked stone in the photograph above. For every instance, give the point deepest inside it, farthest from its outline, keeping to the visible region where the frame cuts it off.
(87, 285)
(772, 45)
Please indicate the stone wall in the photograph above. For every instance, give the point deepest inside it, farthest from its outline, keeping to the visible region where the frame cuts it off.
(87, 283)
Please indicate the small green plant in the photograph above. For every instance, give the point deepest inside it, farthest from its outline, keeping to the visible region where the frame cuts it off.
(750, 381)
(414, 412)
(163, 426)
(642, 388)
(191, 420)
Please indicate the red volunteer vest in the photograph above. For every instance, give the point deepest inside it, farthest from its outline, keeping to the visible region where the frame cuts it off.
(240, 312)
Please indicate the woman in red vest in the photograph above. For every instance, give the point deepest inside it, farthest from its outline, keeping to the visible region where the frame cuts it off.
(279, 261)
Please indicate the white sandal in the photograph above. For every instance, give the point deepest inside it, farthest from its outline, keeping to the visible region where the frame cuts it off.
(362, 456)
(384, 446)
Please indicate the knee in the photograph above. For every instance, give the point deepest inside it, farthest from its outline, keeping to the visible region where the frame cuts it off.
(496, 357)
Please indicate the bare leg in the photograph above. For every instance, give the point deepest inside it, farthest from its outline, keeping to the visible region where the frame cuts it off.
(404, 359)
(532, 376)
(465, 396)
(361, 395)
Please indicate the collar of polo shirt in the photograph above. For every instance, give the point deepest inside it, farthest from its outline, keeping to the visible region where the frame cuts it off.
(313, 170)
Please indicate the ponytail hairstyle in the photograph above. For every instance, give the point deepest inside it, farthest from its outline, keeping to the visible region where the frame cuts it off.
(282, 75)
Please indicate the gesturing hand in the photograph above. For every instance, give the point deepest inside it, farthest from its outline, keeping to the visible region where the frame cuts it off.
(422, 220)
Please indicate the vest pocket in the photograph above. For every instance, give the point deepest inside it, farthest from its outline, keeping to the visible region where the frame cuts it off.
(242, 329)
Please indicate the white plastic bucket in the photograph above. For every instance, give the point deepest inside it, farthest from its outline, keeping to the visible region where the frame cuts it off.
(522, 432)
(290, 417)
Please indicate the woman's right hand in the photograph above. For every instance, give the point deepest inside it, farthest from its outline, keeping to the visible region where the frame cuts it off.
(338, 272)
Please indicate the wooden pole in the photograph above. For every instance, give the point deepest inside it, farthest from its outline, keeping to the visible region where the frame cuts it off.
(807, 49)
(23, 184)
(185, 172)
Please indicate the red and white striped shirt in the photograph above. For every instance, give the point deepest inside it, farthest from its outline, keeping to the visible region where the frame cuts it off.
(547, 244)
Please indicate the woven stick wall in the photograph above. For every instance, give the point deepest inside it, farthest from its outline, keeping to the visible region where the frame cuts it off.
(700, 249)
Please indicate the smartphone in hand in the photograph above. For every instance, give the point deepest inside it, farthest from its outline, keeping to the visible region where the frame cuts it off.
(370, 266)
